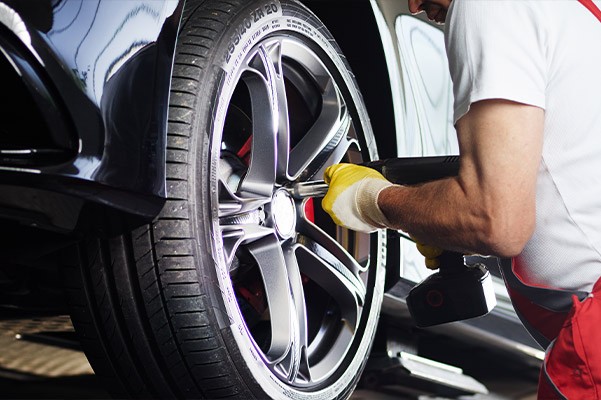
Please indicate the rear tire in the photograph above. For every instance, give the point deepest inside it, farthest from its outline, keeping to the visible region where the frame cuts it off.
(237, 289)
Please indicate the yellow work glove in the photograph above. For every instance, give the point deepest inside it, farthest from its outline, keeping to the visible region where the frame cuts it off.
(431, 253)
(352, 200)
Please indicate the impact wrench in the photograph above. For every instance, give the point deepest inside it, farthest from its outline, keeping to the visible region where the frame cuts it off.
(457, 291)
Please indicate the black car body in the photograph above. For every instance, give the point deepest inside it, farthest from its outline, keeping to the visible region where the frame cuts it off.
(70, 132)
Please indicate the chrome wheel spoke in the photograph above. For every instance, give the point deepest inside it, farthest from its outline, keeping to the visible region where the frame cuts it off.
(333, 120)
(231, 204)
(270, 135)
(334, 151)
(296, 361)
(330, 126)
(331, 249)
(327, 263)
(280, 104)
(346, 290)
(241, 229)
(269, 256)
(329, 144)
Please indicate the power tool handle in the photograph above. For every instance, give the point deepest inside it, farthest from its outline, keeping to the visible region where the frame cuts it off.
(451, 263)
(414, 170)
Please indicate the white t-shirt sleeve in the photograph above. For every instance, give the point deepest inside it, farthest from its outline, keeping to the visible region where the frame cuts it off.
(495, 52)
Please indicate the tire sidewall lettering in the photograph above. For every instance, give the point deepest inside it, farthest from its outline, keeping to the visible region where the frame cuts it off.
(252, 25)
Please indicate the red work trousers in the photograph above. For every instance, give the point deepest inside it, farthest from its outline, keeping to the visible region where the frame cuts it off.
(568, 325)
(572, 366)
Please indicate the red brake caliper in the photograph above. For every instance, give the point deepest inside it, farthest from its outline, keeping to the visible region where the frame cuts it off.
(310, 215)
(253, 293)
(309, 210)
(244, 152)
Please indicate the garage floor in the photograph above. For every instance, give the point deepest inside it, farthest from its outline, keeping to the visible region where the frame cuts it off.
(32, 366)
(31, 369)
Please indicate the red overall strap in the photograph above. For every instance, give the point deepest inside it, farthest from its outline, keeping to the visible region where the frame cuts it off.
(592, 8)
(542, 310)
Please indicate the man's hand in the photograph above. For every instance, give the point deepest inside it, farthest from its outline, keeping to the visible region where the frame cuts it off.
(352, 200)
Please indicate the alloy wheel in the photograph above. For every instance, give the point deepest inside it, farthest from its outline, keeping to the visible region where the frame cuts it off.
(300, 282)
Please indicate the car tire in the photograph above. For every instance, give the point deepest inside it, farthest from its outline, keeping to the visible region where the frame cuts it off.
(241, 288)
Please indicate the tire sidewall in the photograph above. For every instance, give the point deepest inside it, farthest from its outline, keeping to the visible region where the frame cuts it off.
(252, 25)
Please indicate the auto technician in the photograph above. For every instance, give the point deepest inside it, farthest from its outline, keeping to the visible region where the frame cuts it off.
(527, 84)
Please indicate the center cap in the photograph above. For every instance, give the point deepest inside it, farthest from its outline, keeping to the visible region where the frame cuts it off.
(283, 213)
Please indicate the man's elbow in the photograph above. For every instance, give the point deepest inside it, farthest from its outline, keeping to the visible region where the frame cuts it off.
(506, 236)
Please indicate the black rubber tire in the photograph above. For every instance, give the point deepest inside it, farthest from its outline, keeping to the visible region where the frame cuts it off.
(148, 304)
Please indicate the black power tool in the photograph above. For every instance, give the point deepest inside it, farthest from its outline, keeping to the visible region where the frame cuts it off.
(457, 291)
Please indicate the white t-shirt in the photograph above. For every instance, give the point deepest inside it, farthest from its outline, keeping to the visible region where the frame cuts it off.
(545, 53)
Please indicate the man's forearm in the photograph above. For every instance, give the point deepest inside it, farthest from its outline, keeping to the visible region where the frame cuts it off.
(434, 212)
(450, 214)
(489, 208)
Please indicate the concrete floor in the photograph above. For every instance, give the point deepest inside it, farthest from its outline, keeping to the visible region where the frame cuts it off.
(33, 370)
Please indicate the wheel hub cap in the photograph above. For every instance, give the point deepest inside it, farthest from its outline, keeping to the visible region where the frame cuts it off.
(283, 214)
